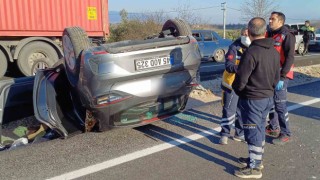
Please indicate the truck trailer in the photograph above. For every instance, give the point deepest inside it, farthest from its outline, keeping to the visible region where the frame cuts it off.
(31, 30)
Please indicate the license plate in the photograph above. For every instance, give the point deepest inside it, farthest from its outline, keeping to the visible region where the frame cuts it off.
(147, 63)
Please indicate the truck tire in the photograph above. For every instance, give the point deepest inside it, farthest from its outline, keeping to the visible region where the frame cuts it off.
(178, 27)
(218, 55)
(3, 64)
(34, 51)
(74, 41)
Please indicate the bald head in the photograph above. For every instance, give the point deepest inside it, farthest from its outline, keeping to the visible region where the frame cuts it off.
(257, 27)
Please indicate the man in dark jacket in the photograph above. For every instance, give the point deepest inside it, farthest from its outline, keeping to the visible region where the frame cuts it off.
(284, 44)
(257, 75)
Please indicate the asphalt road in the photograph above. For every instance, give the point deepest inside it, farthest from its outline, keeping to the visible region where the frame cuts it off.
(209, 68)
(182, 147)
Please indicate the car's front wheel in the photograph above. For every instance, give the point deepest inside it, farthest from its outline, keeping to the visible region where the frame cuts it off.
(177, 27)
(301, 48)
(218, 55)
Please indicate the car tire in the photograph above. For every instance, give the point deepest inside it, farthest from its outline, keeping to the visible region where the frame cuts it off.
(218, 55)
(3, 64)
(43, 63)
(177, 27)
(34, 51)
(74, 41)
(300, 48)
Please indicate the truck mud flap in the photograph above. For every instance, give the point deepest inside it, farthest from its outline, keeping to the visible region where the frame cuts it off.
(53, 103)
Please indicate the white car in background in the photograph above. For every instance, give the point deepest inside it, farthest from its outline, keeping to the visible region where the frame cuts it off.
(315, 43)
(295, 27)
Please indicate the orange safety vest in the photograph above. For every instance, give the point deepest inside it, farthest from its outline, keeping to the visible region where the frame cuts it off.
(279, 38)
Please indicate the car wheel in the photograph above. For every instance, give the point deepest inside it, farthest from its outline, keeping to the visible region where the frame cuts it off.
(34, 51)
(3, 64)
(74, 41)
(43, 63)
(177, 27)
(301, 48)
(218, 55)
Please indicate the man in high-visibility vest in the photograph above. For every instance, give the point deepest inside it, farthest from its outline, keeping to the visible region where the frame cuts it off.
(284, 44)
(229, 101)
(308, 33)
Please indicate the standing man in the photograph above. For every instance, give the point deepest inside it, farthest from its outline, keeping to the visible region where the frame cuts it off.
(284, 44)
(308, 33)
(229, 101)
(257, 76)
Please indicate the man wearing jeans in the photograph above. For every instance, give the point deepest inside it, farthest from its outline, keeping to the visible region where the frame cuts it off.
(258, 74)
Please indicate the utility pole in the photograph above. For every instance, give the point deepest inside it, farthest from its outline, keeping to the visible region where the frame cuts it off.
(224, 8)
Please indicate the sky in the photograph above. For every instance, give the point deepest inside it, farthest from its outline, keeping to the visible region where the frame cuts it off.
(210, 10)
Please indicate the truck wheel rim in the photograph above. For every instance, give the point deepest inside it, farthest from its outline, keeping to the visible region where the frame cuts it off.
(69, 52)
(39, 65)
(35, 56)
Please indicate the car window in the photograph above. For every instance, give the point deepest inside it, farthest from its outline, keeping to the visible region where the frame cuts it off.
(294, 27)
(300, 26)
(197, 36)
(214, 37)
(207, 36)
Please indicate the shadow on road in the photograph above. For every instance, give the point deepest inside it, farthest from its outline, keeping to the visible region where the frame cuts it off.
(190, 145)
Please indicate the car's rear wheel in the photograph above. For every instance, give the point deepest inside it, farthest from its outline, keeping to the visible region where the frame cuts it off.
(74, 41)
(218, 55)
(177, 27)
(300, 48)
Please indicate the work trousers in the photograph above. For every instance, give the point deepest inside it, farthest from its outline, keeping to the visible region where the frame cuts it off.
(279, 115)
(254, 114)
(230, 114)
(306, 43)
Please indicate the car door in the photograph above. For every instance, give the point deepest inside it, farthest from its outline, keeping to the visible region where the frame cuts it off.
(210, 44)
(198, 36)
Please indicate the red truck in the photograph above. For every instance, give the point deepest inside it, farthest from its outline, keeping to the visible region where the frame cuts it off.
(31, 30)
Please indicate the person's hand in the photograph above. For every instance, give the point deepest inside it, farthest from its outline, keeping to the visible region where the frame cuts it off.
(279, 86)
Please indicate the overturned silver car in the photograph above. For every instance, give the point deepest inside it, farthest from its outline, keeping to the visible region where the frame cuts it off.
(127, 83)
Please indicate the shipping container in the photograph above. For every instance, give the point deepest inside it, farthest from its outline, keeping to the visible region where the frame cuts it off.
(32, 29)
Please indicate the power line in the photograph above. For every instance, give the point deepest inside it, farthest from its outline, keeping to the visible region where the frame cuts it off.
(234, 9)
(173, 11)
(194, 9)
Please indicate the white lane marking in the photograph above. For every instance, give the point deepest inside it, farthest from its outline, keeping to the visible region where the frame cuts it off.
(135, 155)
(299, 105)
(148, 151)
